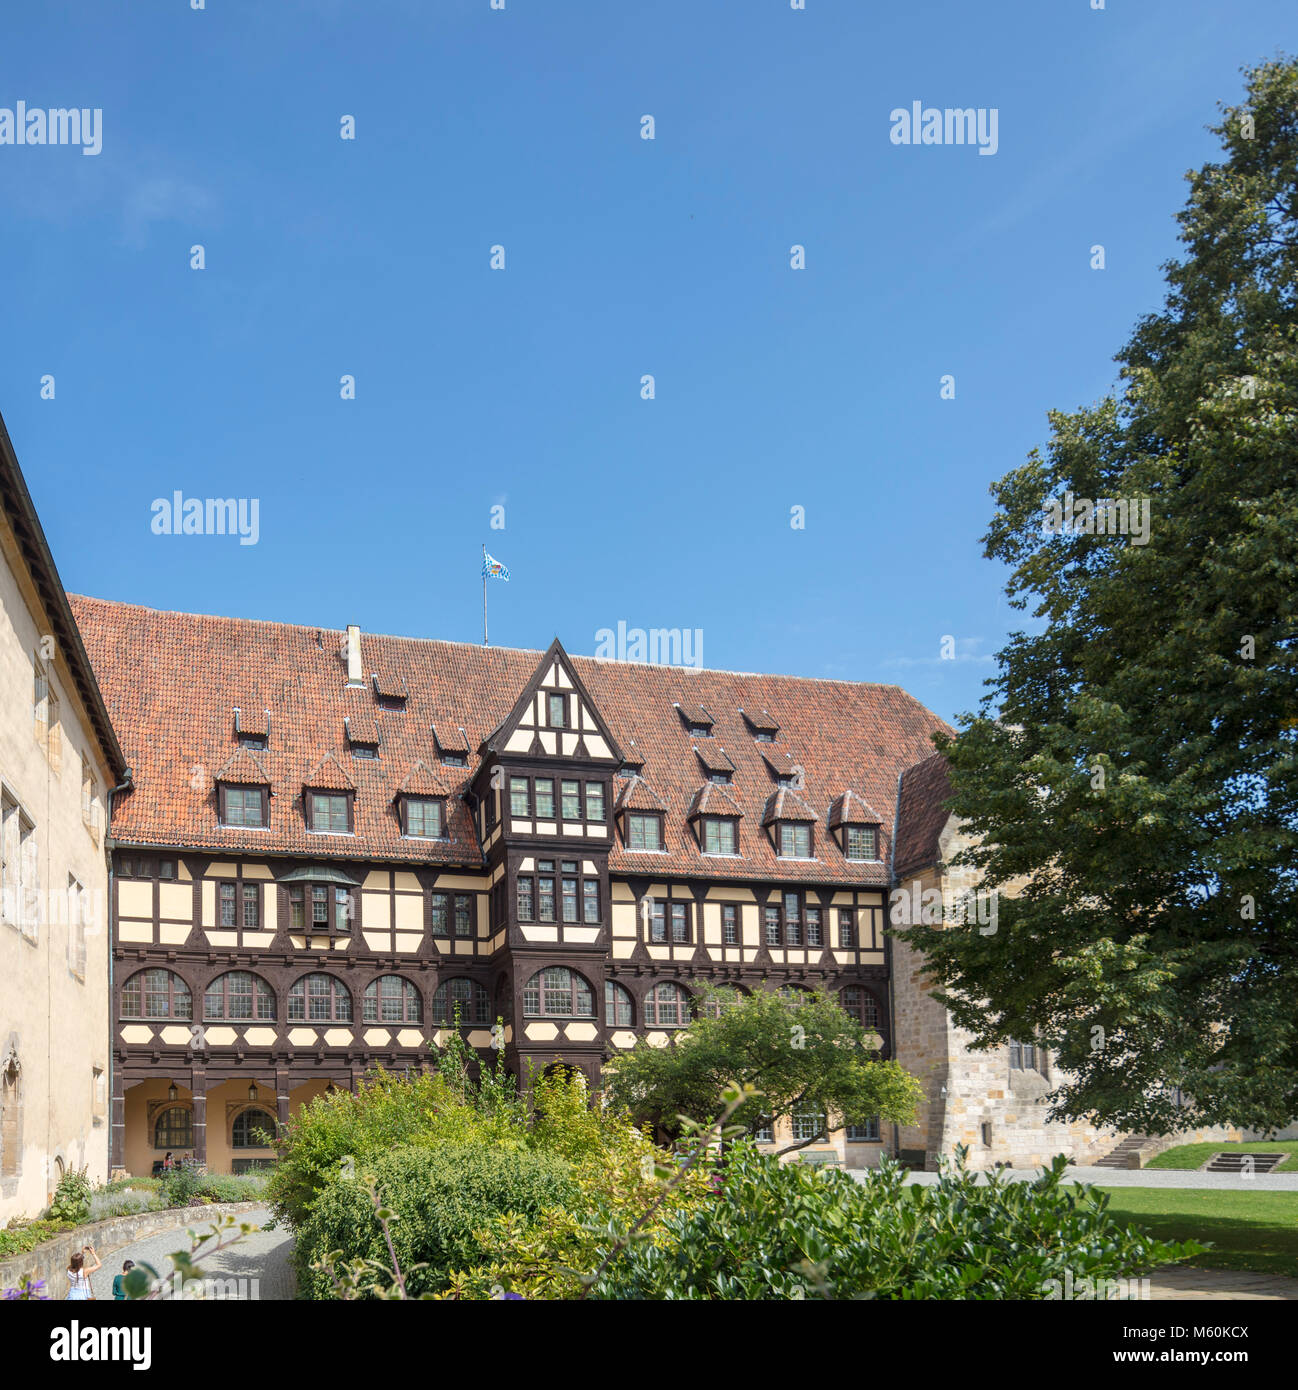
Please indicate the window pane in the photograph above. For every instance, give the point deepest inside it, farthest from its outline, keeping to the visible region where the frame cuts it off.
(590, 890)
(772, 926)
(524, 899)
(658, 922)
(518, 798)
(569, 899)
(544, 798)
(558, 710)
(730, 924)
(571, 792)
(440, 917)
(595, 801)
(463, 915)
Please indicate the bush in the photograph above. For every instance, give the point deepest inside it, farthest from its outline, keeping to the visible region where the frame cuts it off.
(181, 1184)
(234, 1187)
(71, 1198)
(133, 1184)
(124, 1201)
(444, 1196)
(18, 1240)
(789, 1231)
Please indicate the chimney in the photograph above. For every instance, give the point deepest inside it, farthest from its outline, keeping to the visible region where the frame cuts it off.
(354, 676)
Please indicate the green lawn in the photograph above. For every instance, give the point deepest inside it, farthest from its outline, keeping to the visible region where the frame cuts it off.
(1253, 1230)
(1196, 1155)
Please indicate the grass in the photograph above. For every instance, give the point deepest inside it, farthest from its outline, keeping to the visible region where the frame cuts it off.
(1196, 1155)
(1252, 1230)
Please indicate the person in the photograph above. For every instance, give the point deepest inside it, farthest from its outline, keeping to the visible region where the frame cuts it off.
(166, 1160)
(119, 1280)
(79, 1272)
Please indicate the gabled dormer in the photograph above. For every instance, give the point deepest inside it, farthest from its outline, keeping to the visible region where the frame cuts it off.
(555, 717)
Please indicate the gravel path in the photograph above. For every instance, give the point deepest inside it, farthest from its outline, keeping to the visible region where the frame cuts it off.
(258, 1264)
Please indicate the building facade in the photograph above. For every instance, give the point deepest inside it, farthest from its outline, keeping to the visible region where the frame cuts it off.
(333, 841)
(59, 761)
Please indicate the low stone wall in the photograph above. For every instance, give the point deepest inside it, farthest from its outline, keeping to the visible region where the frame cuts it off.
(49, 1261)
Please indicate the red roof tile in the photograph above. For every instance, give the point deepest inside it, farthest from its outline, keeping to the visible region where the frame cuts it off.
(712, 799)
(327, 775)
(250, 718)
(845, 734)
(637, 795)
(921, 814)
(850, 809)
(713, 757)
(786, 805)
(242, 768)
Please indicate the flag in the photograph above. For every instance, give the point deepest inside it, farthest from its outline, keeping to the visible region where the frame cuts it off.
(493, 569)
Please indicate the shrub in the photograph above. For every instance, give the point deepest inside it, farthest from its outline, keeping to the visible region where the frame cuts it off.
(132, 1184)
(124, 1201)
(18, 1240)
(181, 1184)
(789, 1231)
(234, 1187)
(71, 1197)
(444, 1196)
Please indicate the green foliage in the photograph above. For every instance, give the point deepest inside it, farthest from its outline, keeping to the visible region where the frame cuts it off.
(123, 1201)
(181, 1184)
(18, 1240)
(796, 1050)
(234, 1187)
(441, 1198)
(341, 1131)
(1135, 760)
(789, 1231)
(72, 1198)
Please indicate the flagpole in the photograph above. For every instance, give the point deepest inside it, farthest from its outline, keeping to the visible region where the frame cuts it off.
(484, 594)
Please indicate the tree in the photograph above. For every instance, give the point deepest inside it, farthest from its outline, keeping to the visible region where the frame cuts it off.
(1136, 757)
(798, 1049)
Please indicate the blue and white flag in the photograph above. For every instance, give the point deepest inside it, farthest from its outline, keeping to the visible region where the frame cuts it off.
(493, 569)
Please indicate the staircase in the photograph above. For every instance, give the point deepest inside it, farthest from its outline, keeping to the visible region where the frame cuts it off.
(1239, 1163)
(1119, 1157)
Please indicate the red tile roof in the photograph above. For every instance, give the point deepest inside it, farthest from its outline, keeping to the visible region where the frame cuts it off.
(921, 814)
(712, 799)
(327, 775)
(850, 809)
(786, 805)
(242, 768)
(149, 664)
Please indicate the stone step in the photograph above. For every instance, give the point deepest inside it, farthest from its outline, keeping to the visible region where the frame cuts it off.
(1239, 1163)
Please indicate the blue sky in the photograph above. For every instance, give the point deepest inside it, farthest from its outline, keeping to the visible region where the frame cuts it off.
(775, 388)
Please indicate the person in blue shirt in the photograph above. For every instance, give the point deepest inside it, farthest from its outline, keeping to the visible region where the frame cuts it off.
(119, 1280)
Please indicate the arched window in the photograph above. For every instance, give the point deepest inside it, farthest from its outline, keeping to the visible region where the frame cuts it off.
(474, 1002)
(390, 999)
(619, 1011)
(252, 1129)
(666, 1006)
(238, 996)
(156, 994)
(319, 998)
(861, 1005)
(557, 992)
(174, 1129)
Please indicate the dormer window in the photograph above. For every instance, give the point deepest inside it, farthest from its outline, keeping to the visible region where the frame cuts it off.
(644, 831)
(362, 736)
(254, 741)
(251, 726)
(698, 722)
(452, 746)
(329, 812)
(454, 760)
(861, 841)
(761, 725)
(244, 807)
(763, 736)
(721, 779)
(719, 835)
(795, 839)
(389, 690)
(423, 817)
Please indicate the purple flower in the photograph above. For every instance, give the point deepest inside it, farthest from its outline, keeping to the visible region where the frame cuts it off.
(31, 1289)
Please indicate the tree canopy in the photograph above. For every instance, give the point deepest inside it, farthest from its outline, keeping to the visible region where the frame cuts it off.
(1135, 756)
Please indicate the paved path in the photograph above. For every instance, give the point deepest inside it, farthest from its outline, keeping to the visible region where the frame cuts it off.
(259, 1263)
(1235, 1285)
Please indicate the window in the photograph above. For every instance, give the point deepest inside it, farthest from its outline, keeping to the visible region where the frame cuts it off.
(680, 922)
(699, 730)
(174, 1129)
(763, 736)
(390, 999)
(570, 795)
(619, 1011)
(657, 920)
(319, 998)
(520, 802)
(846, 928)
(666, 1006)
(644, 831)
(156, 994)
(77, 905)
(464, 914)
(89, 797)
(243, 806)
(557, 992)
(558, 708)
(21, 871)
(590, 899)
(251, 905)
(595, 801)
(441, 920)
(815, 932)
(331, 812)
(808, 1121)
(861, 842)
(239, 997)
(862, 1006)
(425, 817)
(331, 908)
(569, 895)
(772, 924)
(365, 750)
(257, 742)
(545, 798)
(764, 1131)
(229, 904)
(1023, 1057)
(166, 868)
(526, 894)
(473, 1000)
(792, 919)
(729, 924)
(795, 840)
(722, 779)
(868, 1133)
(720, 835)
(252, 1129)
(545, 890)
